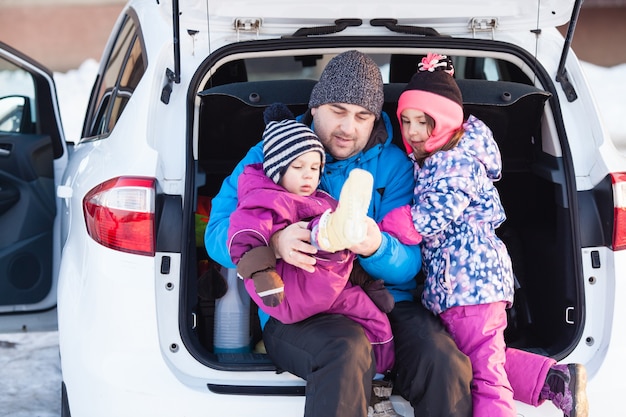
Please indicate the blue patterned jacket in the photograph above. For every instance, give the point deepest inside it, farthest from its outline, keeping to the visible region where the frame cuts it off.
(457, 209)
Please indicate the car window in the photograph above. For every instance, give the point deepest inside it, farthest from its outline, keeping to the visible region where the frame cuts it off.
(396, 68)
(124, 68)
(17, 98)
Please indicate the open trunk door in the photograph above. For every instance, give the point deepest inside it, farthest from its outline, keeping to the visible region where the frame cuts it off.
(446, 16)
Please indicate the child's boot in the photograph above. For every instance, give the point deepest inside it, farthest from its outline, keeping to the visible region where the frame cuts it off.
(346, 226)
(380, 403)
(565, 386)
(259, 264)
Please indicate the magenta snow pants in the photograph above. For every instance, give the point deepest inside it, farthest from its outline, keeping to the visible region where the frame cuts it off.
(500, 375)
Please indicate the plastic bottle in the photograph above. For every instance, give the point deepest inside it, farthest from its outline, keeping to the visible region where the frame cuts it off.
(232, 316)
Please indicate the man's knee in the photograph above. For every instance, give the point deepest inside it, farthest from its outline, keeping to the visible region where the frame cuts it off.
(446, 359)
(349, 349)
(353, 346)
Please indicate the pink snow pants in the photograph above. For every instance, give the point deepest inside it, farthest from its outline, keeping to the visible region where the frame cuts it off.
(501, 374)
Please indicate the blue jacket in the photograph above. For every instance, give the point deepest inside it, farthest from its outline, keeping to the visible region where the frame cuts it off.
(395, 263)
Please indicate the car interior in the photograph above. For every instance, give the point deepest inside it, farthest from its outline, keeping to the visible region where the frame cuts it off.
(537, 225)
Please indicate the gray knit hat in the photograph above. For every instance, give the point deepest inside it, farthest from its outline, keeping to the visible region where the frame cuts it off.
(284, 140)
(351, 77)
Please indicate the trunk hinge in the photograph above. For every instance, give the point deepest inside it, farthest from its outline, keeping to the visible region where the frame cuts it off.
(247, 25)
(173, 76)
(561, 72)
(483, 24)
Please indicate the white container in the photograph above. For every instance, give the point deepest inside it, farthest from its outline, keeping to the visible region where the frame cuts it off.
(232, 316)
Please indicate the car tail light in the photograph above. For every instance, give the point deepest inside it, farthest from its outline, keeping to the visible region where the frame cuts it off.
(619, 221)
(119, 214)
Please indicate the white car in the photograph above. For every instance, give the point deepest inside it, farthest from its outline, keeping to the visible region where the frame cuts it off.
(103, 231)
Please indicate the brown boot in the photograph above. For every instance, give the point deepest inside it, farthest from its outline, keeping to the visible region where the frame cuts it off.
(380, 403)
(259, 264)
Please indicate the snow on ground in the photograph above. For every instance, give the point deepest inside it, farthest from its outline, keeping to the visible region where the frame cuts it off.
(30, 369)
(30, 375)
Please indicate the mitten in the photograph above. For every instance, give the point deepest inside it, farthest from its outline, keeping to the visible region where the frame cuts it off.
(399, 223)
(374, 288)
(259, 264)
(376, 291)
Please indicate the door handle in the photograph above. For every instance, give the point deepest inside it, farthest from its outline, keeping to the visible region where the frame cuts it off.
(568, 315)
(64, 191)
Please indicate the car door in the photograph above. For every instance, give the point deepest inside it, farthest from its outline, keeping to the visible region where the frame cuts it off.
(32, 156)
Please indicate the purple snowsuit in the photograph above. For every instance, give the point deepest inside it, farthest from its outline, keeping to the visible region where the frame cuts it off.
(264, 208)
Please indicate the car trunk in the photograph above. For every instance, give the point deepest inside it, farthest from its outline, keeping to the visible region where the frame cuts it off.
(539, 232)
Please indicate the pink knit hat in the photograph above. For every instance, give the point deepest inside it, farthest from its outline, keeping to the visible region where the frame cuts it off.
(434, 91)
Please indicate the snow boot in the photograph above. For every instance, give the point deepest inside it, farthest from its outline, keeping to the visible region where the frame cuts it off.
(346, 226)
(565, 386)
(380, 404)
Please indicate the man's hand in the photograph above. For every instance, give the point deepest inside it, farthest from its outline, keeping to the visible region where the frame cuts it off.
(292, 244)
(372, 241)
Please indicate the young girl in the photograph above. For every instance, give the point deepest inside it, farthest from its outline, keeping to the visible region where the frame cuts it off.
(469, 278)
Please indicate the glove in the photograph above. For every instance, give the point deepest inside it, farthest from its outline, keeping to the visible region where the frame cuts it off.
(259, 264)
(374, 288)
(399, 224)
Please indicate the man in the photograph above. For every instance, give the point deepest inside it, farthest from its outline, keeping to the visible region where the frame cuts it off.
(331, 352)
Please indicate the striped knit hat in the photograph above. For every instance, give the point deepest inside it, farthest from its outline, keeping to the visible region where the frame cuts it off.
(284, 140)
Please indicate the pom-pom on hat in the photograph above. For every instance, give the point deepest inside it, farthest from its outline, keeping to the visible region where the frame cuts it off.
(353, 78)
(434, 91)
(284, 140)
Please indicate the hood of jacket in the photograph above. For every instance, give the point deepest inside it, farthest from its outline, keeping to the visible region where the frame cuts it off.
(478, 141)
